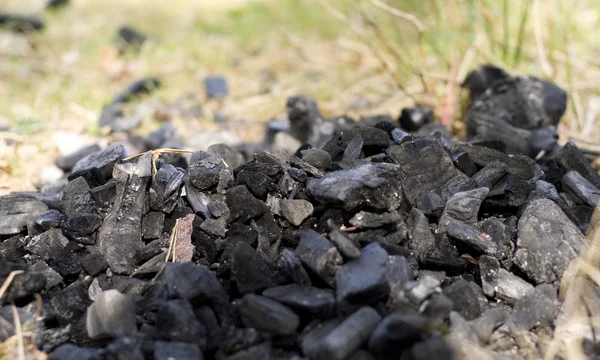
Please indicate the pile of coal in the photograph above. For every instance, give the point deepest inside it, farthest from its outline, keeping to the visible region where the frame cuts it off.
(377, 239)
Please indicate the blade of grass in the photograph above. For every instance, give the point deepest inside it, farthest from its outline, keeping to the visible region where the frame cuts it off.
(521, 32)
(505, 30)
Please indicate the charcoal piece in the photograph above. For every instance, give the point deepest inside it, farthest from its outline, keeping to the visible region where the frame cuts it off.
(569, 157)
(232, 158)
(164, 350)
(432, 204)
(20, 23)
(16, 211)
(537, 308)
(366, 220)
(67, 162)
(69, 351)
(463, 206)
(267, 228)
(112, 314)
(315, 301)
(292, 265)
(129, 39)
(364, 280)
(581, 188)
(235, 339)
(502, 234)
(397, 331)
(23, 285)
(155, 140)
(215, 87)
(543, 141)
(165, 188)
(53, 278)
(547, 190)
(412, 119)
(480, 79)
(177, 322)
(46, 221)
(319, 255)
(313, 334)
(425, 166)
(257, 182)
(94, 264)
(344, 245)
(317, 158)
(353, 149)
(468, 298)
(121, 232)
(433, 347)
(438, 307)
(489, 174)
(254, 271)
(104, 195)
(197, 199)
(151, 266)
(400, 137)
(398, 272)
(548, 241)
(489, 321)
(153, 225)
(297, 174)
(421, 240)
(104, 160)
(47, 243)
(489, 267)
(472, 237)
(373, 138)
(80, 224)
(204, 169)
(372, 185)
(261, 351)
(77, 197)
(418, 291)
(136, 88)
(306, 122)
(510, 287)
(305, 166)
(69, 304)
(268, 315)
(215, 227)
(93, 176)
(242, 205)
(296, 211)
(463, 161)
(347, 337)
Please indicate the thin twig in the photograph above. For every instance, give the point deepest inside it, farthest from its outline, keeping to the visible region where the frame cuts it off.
(8, 281)
(18, 332)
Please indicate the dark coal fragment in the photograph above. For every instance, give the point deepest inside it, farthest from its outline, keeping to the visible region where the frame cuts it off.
(305, 167)
(165, 188)
(164, 350)
(489, 321)
(489, 174)
(153, 225)
(374, 139)
(261, 351)
(120, 235)
(20, 23)
(479, 80)
(463, 206)
(366, 220)
(315, 301)
(215, 87)
(418, 291)
(412, 119)
(22, 285)
(537, 308)
(543, 141)
(69, 304)
(345, 246)
(177, 322)
(232, 158)
(104, 195)
(319, 255)
(421, 240)
(242, 205)
(398, 331)
(318, 158)
(112, 314)
(80, 224)
(94, 264)
(254, 271)
(67, 162)
(353, 149)
(400, 137)
(296, 211)
(568, 158)
(306, 122)
(581, 188)
(464, 163)
(467, 297)
(77, 198)
(470, 236)
(268, 315)
(372, 185)
(438, 307)
(53, 278)
(46, 221)
(129, 39)
(348, 337)
(16, 211)
(69, 351)
(292, 265)
(548, 241)
(104, 160)
(364, 280)
(204, 169)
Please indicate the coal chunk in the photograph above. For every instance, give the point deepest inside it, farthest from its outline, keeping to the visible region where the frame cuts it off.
(372, 185)
(153, 225)
(204, 169)
(16, 211)
(22, 285)
(318, 158)
(177, 322)
(480, 79)
(111, 314)
(73, 352)
(129, 38)
(67, 162)
(81, 224)
(242, 205)
(165, 188)
(536, 308)
(296, 211)
(291, 264)
(366, 220)
(77, 197)
(164, 350)
(463, 206)
(46, 221)
(215, 87)
(569, 158)
(254, 271)
(412, 119)
(398, 331)
(319, 255)
(489, 174)
(547, 241)
(345, 246)
(421, 239)
(104, 160)
(472, 237)
(467, 297)
(53, 278)
(268, 315)
(315, 301)
(581, 188)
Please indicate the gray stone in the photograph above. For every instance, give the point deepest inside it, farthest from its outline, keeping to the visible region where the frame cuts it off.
(296, 211)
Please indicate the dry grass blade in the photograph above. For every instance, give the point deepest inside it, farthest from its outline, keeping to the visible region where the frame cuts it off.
(537, 28)
(8, 281)
(156, 154)
(18, 333)
(401, 14)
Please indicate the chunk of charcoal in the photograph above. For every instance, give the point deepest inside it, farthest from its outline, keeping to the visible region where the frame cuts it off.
(204, 169)
(471, 237)
(347, 337)
(215, 87)
(23, 285)
(398, 272)
(363, 280)
(548, 241)
(215, 227)
(296, 211)
(366, 220)
(438, 307)
(178, 323)
(315, 301)
(297, 174)
(581, 188)
(353, 149)
(489, 321)
(93, 176)
(502, 235)
(261, 351)
(489, 174)
(461, 329)
(254, 271)
(547, 190)
(77, 197)
(432, 204)
(235, 339)
(197, 199)
(267, 227)
(373, 185)
(81, 224)
(104, 160)
(20, 23)
(151, 266)
(16, 211)
(46, 221)
(313, 334)
(153, 224)
(136, 88)
(418, 291)
(373, 138)
(46, 243)
(317, 158)
(292, 265)
(164, 350)
(421, 240)
(463, 161)
(120, 234)
(257, 182)
(304, 166)
(69, 304)
(412, 119)
(480, 79)
(400, 137)
(242, 205)
(510, 287)
(53, 278)
(232, 158)
(67, 162)
(397, 331)
(489, 267)
(165, 188)
(306, 122)
(69, 351)
(570, 157)
(104, 195)
(319, 255)
(463, 206)
(425, 166)
(468, 298)
(344, 245)
(112, 314)
(268, 315)
(94, 264)
(537, 308)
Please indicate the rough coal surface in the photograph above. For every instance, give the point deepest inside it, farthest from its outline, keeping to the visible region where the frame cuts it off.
(376, 239)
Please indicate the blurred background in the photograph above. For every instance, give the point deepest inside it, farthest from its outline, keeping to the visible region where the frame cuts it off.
(356, 57)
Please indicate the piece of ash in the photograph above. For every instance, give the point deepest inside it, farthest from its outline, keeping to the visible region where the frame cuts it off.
(374, 239)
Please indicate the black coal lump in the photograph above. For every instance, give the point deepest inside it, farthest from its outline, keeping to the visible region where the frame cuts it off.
(80, 224)
(318, 158)
(374, 139)
(471, 237)
(365, 220)
(319, 255)
(468, 298)
(412, 119)
(94, 264)
(77, 197)
(489, 174)
(570, 157)
(242, 205)
(104, 195)
(463, 161)
(176, 321)
(291, 264)
(93, 176)
(153, 224)
(69, 351)
(165, 188)
(215, 86)
(23, 285)
(46, 221)
(165, 350)
(398, 331)
(421, 239)
(315, 301)
(104, 160)
(537, 308)
(204, 169)
(480, 79)
(254, 271)
(581, 188)
(68, 305)
(268, 315)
